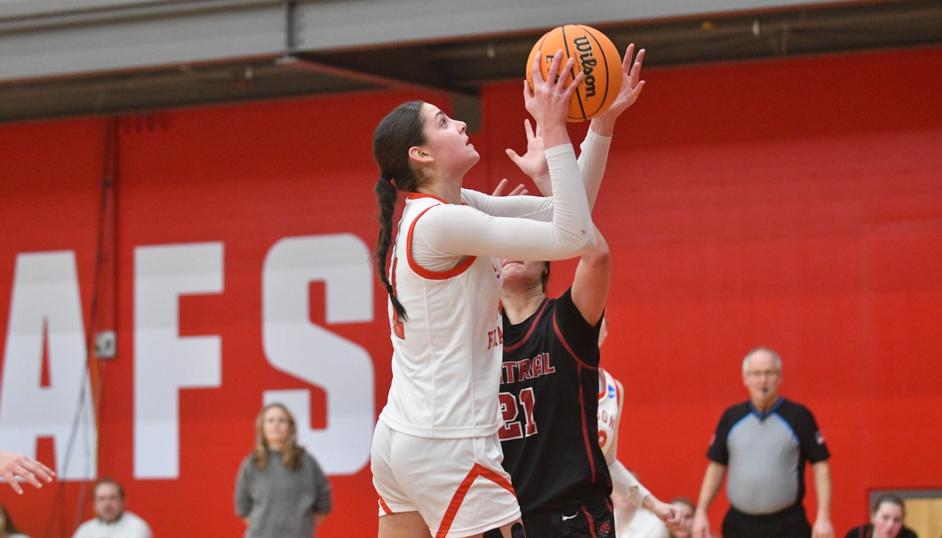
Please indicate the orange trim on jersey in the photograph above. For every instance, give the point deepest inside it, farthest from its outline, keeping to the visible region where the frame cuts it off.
(525, 337)
(420, 195)
(398, 327)
(603, 384)
(617, 393)
(385, 507)
(428, 273)
(477, 470)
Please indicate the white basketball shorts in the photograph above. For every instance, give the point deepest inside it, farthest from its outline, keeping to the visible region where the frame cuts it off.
(457, 485)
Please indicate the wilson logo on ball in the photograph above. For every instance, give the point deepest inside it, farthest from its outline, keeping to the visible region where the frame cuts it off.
(594, 55)
(587, 59)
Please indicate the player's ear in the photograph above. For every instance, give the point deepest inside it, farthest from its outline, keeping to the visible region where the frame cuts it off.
(419, 155)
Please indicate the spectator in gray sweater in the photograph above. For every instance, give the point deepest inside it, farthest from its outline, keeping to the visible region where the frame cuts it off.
(281, 491)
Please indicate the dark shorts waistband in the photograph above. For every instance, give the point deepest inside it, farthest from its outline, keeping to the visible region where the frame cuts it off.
(788, 523)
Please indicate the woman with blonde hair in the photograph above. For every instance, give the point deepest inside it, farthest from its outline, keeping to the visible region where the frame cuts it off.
(281, 491)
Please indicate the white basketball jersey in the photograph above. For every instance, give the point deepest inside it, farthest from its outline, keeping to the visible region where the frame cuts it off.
(610, 395)
(447, 354)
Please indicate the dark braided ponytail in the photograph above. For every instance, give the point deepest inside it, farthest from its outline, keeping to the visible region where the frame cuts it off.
(395, 134)
(386, 195)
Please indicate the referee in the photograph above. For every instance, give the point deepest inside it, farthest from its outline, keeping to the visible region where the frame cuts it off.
(765, 442)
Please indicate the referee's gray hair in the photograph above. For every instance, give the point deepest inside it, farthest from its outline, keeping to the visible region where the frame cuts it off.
(775, 358)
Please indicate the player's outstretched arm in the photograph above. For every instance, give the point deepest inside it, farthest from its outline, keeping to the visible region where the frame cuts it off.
(631, 86)
(667, 513)
(591, 282)
(547, 101)
(593, 158)
(626, 486)
(14, 467)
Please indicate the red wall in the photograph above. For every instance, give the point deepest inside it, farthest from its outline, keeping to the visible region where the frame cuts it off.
(792, 203)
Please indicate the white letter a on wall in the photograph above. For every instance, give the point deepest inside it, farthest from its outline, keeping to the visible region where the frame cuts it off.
(46, 313)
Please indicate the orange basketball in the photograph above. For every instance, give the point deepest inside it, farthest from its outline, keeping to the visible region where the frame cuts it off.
(595, 55)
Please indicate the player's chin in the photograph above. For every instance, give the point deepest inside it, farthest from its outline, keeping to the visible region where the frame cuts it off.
(512, 271)
(517, 280)
(510, 277)
(468, 160)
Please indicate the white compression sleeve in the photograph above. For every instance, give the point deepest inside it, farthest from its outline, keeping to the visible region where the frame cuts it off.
(626, 485)
(593, 157)
(452, 230)
(529, 207)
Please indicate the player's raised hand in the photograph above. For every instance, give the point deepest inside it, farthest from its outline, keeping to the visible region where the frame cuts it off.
(548, 101)
(631, 86)
(15, 467)
(533, 162)
(502, 185)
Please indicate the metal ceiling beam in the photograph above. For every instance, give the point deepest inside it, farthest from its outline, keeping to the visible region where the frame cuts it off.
(303, 63)
(352, 24)
(10, 9)
(458, 66)
(139, 37)
(45, 39)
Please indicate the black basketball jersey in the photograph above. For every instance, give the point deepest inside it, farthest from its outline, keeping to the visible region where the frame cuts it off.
(549, 400)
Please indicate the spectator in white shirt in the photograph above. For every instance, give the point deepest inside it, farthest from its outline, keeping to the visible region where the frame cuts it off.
(111, 519)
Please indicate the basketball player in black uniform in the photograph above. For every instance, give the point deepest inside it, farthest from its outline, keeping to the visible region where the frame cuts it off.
(550, 376)
(549, 388)
(549, 399)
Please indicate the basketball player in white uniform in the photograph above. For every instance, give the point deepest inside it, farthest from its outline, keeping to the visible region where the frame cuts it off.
(626, 490)
(435, 457)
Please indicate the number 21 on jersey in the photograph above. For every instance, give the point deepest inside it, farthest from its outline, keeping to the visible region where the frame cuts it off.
(515, 426)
